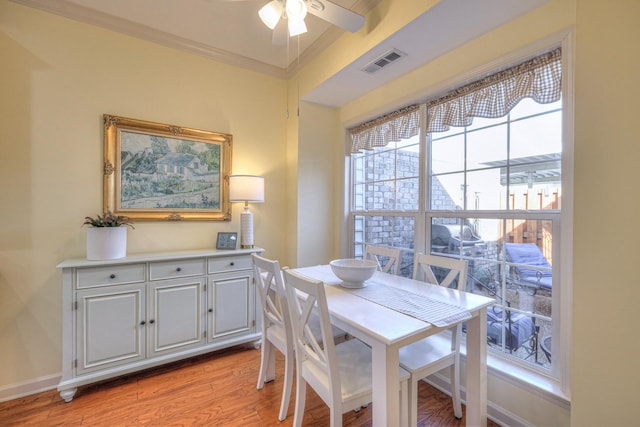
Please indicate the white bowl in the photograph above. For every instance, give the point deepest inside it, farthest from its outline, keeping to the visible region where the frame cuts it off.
(353, 272)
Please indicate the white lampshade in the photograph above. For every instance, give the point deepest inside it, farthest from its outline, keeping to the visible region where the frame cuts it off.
(297, 27)
(270, 13)
(296, 12)
(246, 188)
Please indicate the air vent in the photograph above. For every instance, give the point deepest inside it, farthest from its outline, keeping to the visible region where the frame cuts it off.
(391, 56)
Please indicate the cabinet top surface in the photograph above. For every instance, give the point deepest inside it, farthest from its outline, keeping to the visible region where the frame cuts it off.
(158, 256)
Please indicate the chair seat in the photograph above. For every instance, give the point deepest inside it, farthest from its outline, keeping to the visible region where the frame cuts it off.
(427, 353)
(354, 367)
(277, 336)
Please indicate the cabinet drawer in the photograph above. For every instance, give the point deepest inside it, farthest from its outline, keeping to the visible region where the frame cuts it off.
(112, 275)
(232, 263)
(176, 268)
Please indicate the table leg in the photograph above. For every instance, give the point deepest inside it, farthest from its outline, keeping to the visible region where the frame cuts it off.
(386, 385)
(476, 388)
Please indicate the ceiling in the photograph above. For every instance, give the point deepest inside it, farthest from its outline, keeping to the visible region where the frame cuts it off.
(231, 31)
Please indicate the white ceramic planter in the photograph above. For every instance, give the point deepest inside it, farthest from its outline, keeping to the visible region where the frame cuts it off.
(106, 243)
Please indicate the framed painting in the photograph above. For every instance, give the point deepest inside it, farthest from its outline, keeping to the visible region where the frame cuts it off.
(159, 172)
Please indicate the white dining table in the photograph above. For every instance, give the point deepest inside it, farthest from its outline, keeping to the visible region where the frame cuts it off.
(386, 330)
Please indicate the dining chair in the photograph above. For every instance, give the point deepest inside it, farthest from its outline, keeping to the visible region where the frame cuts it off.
(276, 327)
(277, 332)
(341, 374)
(442, 350)
(387, 258)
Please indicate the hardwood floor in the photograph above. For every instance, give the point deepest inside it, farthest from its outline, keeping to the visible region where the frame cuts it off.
(218, 389)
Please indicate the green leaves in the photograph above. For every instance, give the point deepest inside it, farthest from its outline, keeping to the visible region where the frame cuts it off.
(108, 220)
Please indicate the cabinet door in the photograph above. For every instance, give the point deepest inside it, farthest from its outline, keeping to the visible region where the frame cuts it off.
(175, 315)
(110, 327)
(231, 305)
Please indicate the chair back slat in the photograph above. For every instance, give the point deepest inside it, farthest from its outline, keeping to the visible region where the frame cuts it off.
(428, 266)
(271, 293)
(388, 259)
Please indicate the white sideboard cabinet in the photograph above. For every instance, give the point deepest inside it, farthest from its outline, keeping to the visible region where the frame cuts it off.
(121, 316)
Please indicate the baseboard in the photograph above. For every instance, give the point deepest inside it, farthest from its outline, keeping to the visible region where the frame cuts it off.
(36, 385)
(495, 413)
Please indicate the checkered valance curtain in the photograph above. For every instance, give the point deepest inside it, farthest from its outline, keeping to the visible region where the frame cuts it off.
(494, 96)
(401, 124)
(491, 97)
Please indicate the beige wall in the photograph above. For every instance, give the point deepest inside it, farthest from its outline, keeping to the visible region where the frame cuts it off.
(606, 372)
(316, 174)
(57, 78)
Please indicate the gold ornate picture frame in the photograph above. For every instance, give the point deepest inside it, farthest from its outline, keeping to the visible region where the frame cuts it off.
(159, 172)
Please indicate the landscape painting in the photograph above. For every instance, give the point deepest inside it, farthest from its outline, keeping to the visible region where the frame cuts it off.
(165, 172)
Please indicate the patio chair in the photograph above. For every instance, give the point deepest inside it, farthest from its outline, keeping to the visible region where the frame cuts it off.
(530, 269)
(388, 259)
(520, 330)
(340, 374)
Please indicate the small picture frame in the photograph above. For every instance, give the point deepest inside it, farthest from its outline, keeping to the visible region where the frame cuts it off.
(227, 240)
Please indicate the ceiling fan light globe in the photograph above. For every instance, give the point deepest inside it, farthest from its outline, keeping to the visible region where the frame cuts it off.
(297, 27)
(270, 13)
(296, 10)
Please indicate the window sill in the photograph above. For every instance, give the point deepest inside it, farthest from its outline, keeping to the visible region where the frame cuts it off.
(534, 382)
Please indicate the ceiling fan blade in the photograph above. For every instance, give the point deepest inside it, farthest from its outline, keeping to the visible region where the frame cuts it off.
(337, 15)
(280, 33)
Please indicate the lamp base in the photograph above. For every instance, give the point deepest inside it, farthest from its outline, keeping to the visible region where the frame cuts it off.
(246, 228)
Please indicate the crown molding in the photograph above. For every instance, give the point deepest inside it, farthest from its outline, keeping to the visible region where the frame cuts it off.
(124, 26)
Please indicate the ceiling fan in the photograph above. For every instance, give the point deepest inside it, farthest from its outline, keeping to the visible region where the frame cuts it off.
(276, 12)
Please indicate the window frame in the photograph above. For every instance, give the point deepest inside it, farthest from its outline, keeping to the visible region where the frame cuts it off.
(556, 386)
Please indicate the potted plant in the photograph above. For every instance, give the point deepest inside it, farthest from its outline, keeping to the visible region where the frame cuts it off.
(107, 236)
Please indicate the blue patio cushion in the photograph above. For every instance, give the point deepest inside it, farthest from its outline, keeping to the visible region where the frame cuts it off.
(521, 331)
(529, 254)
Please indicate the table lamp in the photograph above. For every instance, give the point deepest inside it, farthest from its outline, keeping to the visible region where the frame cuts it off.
(246, 188)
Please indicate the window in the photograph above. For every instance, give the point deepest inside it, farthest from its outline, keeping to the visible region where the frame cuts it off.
(385, 194)
(494, 200)
(488, 190)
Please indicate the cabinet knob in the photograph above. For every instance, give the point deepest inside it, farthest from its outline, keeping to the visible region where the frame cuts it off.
(231, 263)
(142, 323)
(151, 321)
(112, 276)
(211, 310)
(178, 269)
